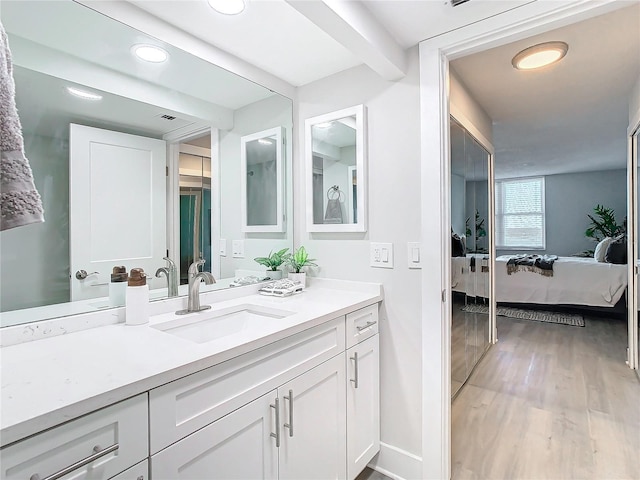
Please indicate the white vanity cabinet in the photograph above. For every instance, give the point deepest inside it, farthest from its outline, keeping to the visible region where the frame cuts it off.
(363, 389)
(97, 446)
(313, 444)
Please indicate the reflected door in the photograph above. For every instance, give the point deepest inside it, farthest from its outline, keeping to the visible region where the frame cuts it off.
(117, 207)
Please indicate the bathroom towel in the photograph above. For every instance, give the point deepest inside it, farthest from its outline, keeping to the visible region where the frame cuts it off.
(334, 211)
(20, 202)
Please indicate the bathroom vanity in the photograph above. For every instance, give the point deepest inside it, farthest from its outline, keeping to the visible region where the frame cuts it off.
(256, 387)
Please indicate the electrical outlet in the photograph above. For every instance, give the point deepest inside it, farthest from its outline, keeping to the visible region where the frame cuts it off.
(223, 247)
(238, 248)
(381, 255)
(413, 255)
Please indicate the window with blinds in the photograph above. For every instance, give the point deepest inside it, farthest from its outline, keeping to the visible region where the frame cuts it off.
(520, 214)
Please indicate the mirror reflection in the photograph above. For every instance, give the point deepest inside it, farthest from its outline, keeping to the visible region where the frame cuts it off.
(261, 179)
(164, 150)
(335, 158)
(470, 262)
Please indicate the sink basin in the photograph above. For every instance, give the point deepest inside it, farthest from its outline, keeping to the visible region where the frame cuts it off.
(211, 325)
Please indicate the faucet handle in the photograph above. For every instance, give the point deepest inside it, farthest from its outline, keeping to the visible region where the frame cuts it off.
(170, 262)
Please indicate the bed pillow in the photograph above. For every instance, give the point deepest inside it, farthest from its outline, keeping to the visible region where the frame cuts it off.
(617, 251)
(601, 249)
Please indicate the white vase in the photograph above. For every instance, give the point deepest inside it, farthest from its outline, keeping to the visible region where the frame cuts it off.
(274, 274)
(298, 277)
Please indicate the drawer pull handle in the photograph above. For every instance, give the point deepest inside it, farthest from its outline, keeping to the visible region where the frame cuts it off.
(276, 435)
(79, 464)
(367, 325)
(290, 424)
(354, 380)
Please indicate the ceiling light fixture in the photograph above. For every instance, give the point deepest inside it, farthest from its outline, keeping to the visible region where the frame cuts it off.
(150, 53)
(540, 55)
(227, 7)
(83, 94)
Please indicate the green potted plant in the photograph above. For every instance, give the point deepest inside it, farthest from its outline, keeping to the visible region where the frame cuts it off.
(273, 261)
(297, 261)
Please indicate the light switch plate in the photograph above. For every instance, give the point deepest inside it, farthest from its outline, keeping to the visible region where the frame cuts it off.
(238, 248)
(381, 255)
(223, 247)
(414, 259)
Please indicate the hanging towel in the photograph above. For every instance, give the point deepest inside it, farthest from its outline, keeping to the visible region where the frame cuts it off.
(334, 211)
(20, 202)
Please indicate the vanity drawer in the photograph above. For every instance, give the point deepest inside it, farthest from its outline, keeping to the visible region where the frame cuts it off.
(118, 433)
(190, 403)
(362, 324)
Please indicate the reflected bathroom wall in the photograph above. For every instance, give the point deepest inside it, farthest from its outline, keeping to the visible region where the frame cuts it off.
(470, 262)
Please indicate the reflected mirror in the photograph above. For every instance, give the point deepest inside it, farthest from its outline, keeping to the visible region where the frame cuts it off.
(336, 171)
(164, 149)
(261, 181)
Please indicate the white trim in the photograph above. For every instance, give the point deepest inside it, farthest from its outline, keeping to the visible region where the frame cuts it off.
(521, 22)
(397, 463)
(350, 171)
(632, 245)
(359, 111)
(462, 119)
(279, 226)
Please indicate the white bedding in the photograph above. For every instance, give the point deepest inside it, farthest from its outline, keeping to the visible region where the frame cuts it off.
(575, 281)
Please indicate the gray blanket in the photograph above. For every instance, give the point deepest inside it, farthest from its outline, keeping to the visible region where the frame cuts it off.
(542, 264)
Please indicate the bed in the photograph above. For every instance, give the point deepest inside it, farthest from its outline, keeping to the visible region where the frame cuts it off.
(575, 281)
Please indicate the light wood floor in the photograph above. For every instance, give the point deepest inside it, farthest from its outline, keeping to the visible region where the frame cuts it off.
(550, 402)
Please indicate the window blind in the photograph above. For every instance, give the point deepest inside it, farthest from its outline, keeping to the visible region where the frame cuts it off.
(520, 214)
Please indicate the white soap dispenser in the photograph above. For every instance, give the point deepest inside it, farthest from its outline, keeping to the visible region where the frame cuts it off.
(137, 298)
(118, 286)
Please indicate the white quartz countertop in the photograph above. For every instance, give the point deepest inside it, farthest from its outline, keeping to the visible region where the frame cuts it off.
(52, 380)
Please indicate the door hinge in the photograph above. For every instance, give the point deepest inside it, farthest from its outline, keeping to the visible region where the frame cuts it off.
(444, 296)
(166, 171)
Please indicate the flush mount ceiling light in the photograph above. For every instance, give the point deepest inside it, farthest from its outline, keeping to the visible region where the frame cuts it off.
(150, 53)
(540, 55)
(227, 7)
(83, 94)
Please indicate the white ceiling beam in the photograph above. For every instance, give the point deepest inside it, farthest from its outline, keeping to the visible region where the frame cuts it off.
(352, 25)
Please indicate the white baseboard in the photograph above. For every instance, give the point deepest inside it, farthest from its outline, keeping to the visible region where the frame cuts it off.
(397, 463)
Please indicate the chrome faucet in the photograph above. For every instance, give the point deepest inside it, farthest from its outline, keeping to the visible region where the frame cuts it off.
(171, 272)
(195, 276)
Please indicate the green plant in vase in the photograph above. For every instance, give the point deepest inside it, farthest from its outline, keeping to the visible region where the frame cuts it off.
(296, 262)
(273, 261)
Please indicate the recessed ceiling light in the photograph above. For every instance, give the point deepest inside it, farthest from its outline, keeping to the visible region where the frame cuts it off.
(265, 141)
(227, 7)
(540, 55)
(150, 53)
(83, 94)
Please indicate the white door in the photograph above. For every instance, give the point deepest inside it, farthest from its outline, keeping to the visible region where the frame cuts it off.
(363, 405)
(313, 444)
(117, 207)
(238, 446)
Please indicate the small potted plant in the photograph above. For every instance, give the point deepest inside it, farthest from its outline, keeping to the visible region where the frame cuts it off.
(297, 261)
(272, 262)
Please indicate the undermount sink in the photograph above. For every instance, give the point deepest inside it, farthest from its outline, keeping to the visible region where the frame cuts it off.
(208, 325)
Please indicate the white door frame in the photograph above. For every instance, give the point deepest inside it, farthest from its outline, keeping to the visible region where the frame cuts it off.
(173, 193)
(521, 22)
(632, 247)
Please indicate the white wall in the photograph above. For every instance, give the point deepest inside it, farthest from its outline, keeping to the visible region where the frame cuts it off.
(269, 113)
(467, 111)
(394, 216)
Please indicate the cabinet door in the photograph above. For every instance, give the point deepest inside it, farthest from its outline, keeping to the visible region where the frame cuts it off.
(313, 416)
(363, 405)
(137, 472)
(237, 446)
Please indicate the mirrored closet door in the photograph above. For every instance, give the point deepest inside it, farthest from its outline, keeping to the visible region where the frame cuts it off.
(470, 252)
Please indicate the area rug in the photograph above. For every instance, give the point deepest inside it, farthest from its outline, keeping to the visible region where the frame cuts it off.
(573, 319)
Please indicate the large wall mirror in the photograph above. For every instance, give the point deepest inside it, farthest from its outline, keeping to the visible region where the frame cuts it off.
(335, 160)
(134, 160)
